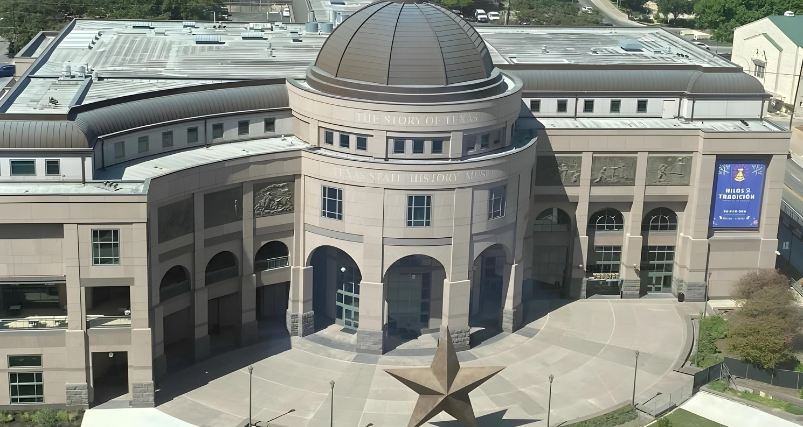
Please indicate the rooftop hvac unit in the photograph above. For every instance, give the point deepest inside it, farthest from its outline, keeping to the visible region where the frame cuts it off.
(188, 24)
(160, 31)
(207, 39)
(258, 26)
(252, 35)
(141, 25)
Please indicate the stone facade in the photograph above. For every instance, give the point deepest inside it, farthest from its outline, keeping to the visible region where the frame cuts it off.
(461, 338)
(300, 324)
(669, 170)
(512, 318)
(77, 394)
(613, 170)
(631, 288)
(371, 342)
(142, 394)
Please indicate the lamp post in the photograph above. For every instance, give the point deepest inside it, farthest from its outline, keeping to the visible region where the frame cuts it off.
(332, 406)
(549, 405)
(635, 373)
(267, 423)
(250, 376)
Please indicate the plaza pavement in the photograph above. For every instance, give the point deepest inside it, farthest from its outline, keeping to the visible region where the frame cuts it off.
(587, 345)
(732, 414)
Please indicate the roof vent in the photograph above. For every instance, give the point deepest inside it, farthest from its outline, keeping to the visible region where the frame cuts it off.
(789, 13)
(631, 45)
(252, 35)
(208, 39)
(188, 24)
(142, 24)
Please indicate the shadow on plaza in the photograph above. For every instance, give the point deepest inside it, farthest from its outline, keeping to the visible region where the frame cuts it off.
(272, 341)
(493, 419)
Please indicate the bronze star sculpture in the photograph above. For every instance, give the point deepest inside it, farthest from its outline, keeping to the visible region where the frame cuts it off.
(444, 386)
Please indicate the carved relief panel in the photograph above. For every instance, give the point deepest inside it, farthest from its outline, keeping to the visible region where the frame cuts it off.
(175, 220)
(613, 170)
(558, 170)
(273, 199)
(668, 170)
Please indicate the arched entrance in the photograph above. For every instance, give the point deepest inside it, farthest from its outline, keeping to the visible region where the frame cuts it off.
(174, 283)
(487, 289)
(659, 236)
(414, 296)
(605, 234)
(177, 325)
(271, 255)
(552, 240)
(223, 305)
(335, 288)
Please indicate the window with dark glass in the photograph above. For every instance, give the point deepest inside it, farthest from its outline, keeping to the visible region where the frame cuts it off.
(143, 144)
(661, 219)
(26, 387)
(419, 210)
(616, 105)
(119, 150)
(270, 124)
(242, 127)
(588, 106)
(496, 202)
(607, 220)
(192, 135)
(484, 140)
(23, 167)
(345, 140)
(562, 105)
(760, 71)
(167, 139)
(217, 130)
(332, 203)
(642, 106)
(418, 146)
(53, 167)
(329, 137)
(535, 105)
(25, 361)
(105, 247)
(362, 143)
(398, 146)
(437, 146)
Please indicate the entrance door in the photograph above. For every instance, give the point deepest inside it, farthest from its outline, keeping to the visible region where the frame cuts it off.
(110, 378)
(348, 298)
(409, 303)
(491, 285)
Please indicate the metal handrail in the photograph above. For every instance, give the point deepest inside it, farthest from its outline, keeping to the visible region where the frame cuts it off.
(34, 322)
(173, 290)
(222, 274)
(100, 321)
(271, 263)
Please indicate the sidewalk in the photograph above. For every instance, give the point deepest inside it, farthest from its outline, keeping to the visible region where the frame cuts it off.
(130, 417)
(730, 413)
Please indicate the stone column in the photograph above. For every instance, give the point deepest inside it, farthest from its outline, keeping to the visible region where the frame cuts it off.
(456, 302)
(371, 333)
(693, 250)
(512, 315)
(247, 331)
(457, 286)
(76, 360)
(160, 359)
(631, 250)
(200, 295)
(140, 357)
(200, 303)
(373, 323)
(580, 239)
(300, 318)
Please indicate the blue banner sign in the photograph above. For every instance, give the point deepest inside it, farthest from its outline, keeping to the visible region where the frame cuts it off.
(737, 201)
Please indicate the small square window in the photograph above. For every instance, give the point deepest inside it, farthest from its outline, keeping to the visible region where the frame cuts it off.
(329, 137)
(331, 202)
(53, 167)
(345, 140)
(23, 167)
(419, 211)
(270, 124)
(398, 146)
(535, 105)
(437, 146)
(588, 106)
(192, 135)
(143, 143)
(497, 137)
(484, 140)
(362, 143)
(27, 361)
(496, 202)
(26, 387)
(242, 127)
(418, 146)
(167, 139)
(642, 106)
(217, 131)
(616, 105)
(562, 105)
(105, 247)
(119, 150)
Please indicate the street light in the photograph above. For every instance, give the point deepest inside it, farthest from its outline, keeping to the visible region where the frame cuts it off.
(332, 406)
(275, 418)
(635, 372)
(250, 375)
(549, 405)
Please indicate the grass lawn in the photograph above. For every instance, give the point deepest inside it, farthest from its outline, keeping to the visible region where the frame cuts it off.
(757, 398)
(683, 418)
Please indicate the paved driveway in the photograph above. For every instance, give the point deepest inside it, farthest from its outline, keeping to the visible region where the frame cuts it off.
(588, 345)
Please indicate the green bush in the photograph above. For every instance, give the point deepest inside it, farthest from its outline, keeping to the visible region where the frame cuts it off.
(49, 417)
(611, 419)
(718, 386)
(26, 417)
(712, 329)
(664, 422)
(6, 417)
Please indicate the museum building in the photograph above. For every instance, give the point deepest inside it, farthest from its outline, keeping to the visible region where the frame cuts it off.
(413, 175)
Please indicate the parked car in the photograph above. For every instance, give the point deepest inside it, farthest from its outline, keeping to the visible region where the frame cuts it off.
(457, 12)
(702, 45)
(480, 16)
(7, 70)
(493, 16)
(286, 12)
(587, 9)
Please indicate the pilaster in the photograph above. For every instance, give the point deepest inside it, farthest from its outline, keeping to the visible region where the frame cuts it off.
(512, 315)
(201, 327)
(456, 303)
(371, 333)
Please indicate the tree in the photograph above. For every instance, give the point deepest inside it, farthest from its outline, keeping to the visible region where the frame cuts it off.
(460, 5)
(633, 6)
(674, 7)
(765, 326)
(550, 12)
(721, 17)
(23, 19)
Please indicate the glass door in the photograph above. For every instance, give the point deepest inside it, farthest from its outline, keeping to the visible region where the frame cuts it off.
(409, 303)
(348, 297)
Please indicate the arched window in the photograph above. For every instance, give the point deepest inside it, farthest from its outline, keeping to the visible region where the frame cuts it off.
(221, 267)
(552, 219)
(607, 220)
(661, 219)
(174, 283)
(271, 255)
